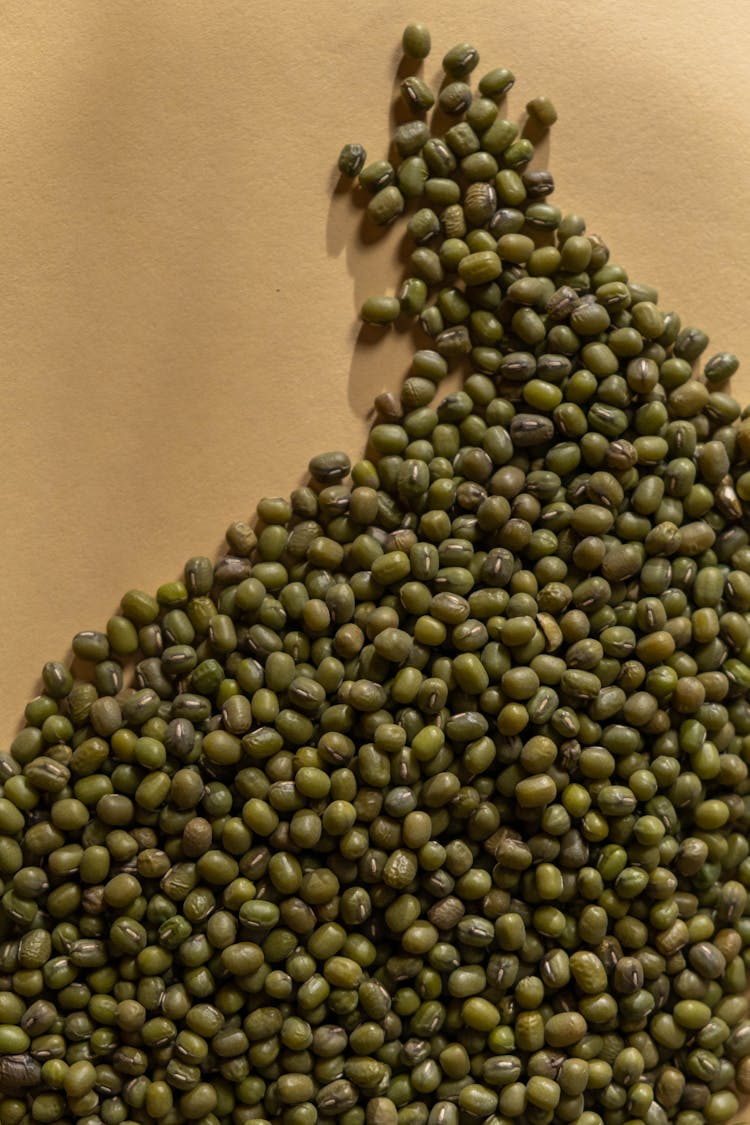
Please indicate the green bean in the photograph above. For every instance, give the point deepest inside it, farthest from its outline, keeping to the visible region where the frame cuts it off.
(428, 798)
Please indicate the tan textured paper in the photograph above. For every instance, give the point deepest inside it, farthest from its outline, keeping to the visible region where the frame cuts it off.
(179, 287)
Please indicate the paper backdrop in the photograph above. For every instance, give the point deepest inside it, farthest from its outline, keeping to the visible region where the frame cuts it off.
(179, 288)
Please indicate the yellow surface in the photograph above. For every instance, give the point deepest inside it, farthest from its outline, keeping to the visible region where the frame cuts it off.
(179, 288)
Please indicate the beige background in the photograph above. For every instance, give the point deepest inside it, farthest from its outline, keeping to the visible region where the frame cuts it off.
(179, 286)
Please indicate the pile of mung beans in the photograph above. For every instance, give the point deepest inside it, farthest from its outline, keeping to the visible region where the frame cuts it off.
(428, 802)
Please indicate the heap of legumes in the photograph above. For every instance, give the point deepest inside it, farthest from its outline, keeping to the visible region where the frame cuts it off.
(428, 802)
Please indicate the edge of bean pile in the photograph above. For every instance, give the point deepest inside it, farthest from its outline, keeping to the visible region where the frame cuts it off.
(428, 802)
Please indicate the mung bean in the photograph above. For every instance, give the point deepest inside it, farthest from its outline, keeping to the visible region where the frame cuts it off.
(429, 798)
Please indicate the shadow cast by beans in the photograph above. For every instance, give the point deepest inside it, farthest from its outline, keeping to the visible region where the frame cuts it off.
(376, 351)
(539, 136)
(349, 230)
(440, 121)
(370, 233)
(405, 65)
(401, 113)
(370, 372)
(373, 367)
(343, 208)
(370, 335)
